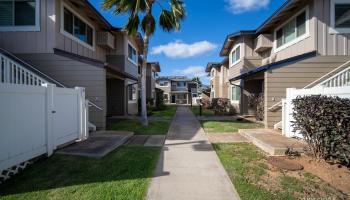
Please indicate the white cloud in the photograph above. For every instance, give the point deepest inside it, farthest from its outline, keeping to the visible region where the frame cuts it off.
(179, 49)
(240, 6)
(192, 71)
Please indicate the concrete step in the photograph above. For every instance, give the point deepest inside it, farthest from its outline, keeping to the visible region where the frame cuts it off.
(272, 142)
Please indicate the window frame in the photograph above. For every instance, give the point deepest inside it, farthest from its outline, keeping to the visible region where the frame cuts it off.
(71, 36)
(127, 53)
(297, 39)
(234, 49)
(30, 28)
(231, 94)
(163, 85)
(332, 29)
(133, 89)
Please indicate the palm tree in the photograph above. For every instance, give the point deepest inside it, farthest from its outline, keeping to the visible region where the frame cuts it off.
(169, 19)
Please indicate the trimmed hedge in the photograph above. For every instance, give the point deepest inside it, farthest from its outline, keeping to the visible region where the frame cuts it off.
(325, 124)
(222, 106)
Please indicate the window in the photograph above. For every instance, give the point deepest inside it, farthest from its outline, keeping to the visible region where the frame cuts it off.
(194, 95)
(235, 55)
(132, 55)
(292, 31)
(340, 16)
(132, 93)
(76, 28)
(19, 15)
(235, 93)
(163, 83)
(181, 84)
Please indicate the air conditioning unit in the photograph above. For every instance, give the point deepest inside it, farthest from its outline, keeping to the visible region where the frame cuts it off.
(105, 39)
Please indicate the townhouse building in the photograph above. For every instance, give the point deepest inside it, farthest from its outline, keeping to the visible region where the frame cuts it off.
(177, 89)
(72, 44)
(300, 43)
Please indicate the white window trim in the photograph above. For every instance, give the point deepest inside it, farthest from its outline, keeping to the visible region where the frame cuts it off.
(164, 85)
(230, 92)
(240, 56)
(35, 28)
(298, 39)
(134, 100)
(332, 29)
(72, 37)
(127, 53)
(212, 73)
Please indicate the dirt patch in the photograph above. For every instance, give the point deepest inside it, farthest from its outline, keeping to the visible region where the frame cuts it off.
(335, 175)
(284, 163)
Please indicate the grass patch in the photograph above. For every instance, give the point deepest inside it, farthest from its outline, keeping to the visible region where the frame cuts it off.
(153, 128)
(167, 113)
(123, 174)
(228, 126)
(205, 112)
(254, 179)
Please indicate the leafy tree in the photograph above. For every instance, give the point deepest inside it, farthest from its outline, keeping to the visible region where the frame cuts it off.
(141, 16)
(198, 80)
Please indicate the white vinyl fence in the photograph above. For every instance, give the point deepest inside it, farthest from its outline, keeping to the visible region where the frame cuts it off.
(292, 93)
(36, 120)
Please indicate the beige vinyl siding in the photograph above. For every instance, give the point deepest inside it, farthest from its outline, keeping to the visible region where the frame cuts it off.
(72, 46)
(41, 41)
(327, 43)
(295, 76)
(245, 65)
(72, 73)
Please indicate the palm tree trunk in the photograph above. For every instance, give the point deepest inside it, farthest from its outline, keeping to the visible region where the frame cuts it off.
(144, 119)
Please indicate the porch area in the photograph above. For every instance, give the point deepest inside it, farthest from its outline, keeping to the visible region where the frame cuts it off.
(272, 142)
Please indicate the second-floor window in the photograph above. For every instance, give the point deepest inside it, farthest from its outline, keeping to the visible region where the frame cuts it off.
(181, 84)
(236, 55)
(291, 31)
(163, 83)
(19, 15)
(75, 27)
(340, 16)
(132, 55)
(212, 73)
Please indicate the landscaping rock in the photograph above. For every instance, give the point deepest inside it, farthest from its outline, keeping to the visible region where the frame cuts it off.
(284, 163)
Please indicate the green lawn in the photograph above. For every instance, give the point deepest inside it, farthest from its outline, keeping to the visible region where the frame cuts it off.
(205, 112)
(167, 113)
(254, 179)
(153, 128)
(228, 126)
(123, 174)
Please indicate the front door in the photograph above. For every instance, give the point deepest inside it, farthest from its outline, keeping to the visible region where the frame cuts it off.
(173, 99)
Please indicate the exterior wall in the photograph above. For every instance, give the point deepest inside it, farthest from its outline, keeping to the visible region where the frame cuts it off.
(65, 43)
(132, 105)
(72, 73)
(296, 75)
(115, 101)
(119, 57)
(326, 42)
(42, 41)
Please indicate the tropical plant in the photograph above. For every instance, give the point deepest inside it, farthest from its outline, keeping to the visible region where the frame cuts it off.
(324, 123)
(141, 16)
(198, 80)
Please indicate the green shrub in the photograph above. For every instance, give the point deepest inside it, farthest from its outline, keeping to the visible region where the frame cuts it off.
(205, 103)
(222, 106)
(160, 100)
(324, 123)
(256, 101)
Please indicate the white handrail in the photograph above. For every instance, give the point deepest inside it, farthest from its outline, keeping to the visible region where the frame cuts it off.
(340, 79)
(14, 73)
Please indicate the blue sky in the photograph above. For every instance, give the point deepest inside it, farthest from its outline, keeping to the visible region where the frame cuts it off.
(208, 22)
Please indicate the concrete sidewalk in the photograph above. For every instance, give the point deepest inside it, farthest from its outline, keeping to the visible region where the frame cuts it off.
(189, 167)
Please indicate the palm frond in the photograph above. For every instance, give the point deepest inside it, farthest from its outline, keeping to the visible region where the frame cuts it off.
(167, 20)
(132, 25)
(148, 22)
(178, 9)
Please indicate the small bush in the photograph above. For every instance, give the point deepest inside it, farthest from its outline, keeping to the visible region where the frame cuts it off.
(205, 103)
(160, 100)
(324, 123)
(256, 101)
(222, 106)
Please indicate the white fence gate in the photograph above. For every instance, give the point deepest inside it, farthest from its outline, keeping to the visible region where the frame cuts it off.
(36, 120)
(292, 93)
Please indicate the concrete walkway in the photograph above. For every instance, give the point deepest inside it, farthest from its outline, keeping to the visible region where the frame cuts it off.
(189, 167)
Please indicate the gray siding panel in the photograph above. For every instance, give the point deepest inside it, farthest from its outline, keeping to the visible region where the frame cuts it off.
(73, 73)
